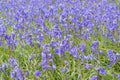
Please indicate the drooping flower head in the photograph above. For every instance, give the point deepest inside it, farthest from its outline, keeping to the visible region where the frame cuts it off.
(37, 73)
(93, 78)
(111, 56)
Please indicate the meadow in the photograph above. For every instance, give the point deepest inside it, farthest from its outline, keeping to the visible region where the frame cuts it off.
(59, 39)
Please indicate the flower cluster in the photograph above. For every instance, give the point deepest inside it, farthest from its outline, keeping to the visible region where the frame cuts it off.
(59, 39)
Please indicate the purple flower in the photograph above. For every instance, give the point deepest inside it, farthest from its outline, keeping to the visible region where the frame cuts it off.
(118, 76)
(58, 51)
(44, 61)
(118, 56)
(17, 74)
(44, 65)
(2, 68)
(10, 41)
(2, 30)
(64, 43)
(63, 70)
(93, 78)
(50, 56)
(53, 44)
(86, 36)
(82, 47)
(101, 71)
(74, 52)
(53, 66)
(94, 46)
(89, 57)
(45, 48)
(12, 74)
(31, 56)
(111, 56)
(37, 73)
(44, 56)
(87, 66)
(100, 52)
(12, 62)
(26, 72)
(28, 41)
(66, 62)
(40, 37)
(0, 43)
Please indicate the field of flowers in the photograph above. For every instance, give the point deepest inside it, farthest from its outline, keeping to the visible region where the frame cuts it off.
(59, 39)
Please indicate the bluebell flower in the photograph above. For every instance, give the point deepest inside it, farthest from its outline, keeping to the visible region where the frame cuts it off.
(74, 52)
(12, 74)
(3, 67)
(111, 56)
(101, 71)
(2, 30)
(118, 76)
(31, 56)
(44, 56)
(45, 48)
(12, 62)
(100, 52)
(50, 56)
(56, 34)
(16, 74)
(64, 42)
(82, 47)
(53, 66)
(28, 41)
(89, 57)
(64, 45)
(1, 43)
(66, 62)
(93, 78)
(44, 65)
(53, 44)
(44, 61)
(63, 70)
(37, 73)
(86, 36)
(94, 46)
(88, 66)
(19, 74)
(118, 56)
(26, 72)
(40, 37)
(59, 51)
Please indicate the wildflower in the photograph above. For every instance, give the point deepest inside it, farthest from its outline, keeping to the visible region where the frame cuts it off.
(101, 71)
(74, 52)
(63, 70)
(31, 56)
(37, 73)
(118, 76)
(40, 37)
(2, 68)
(58, 51)
(93, 78)
(17, 74)
(26, 72)
(12, 62)
(82, 47)
(100, 52)
(87, 66)
(111, 56)
(53, 67)
(94, 46)
(53, 44)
